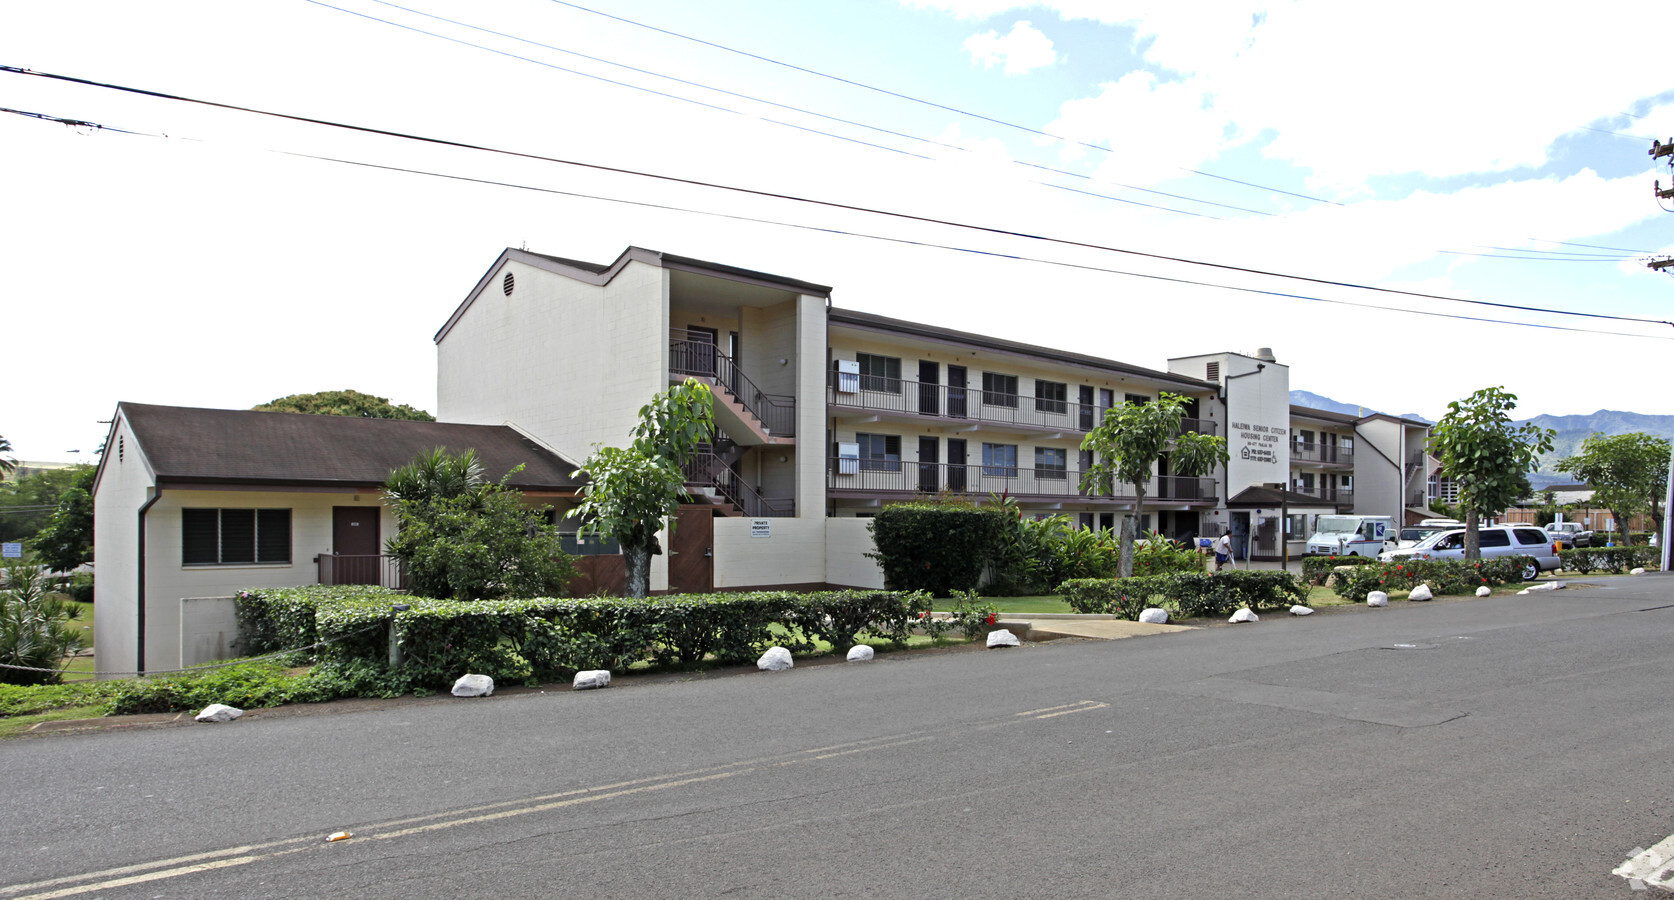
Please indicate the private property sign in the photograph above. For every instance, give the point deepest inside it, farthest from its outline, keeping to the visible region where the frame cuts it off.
(11, 551)
(761, 528)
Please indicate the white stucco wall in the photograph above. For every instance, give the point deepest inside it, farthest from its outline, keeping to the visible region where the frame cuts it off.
(810, 407)
(1257, 422)
(847, 541)
(571, 363)
(794, 554)
(123, 487)
(208, 629)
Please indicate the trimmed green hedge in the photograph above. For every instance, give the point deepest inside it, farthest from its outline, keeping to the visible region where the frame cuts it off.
(1444, 576)
(936, 547)
(1317, 569)
(550, 639)
(1186, 596)
(1614, 560)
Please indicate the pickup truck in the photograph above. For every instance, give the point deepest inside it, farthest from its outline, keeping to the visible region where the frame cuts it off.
(1571, 533)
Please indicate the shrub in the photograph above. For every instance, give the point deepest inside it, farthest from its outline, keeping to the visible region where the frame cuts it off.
(34, 627)
(1614, 560)
(936, 547)
(1444, 576)
(1158, 555)
(80, 588)
(974, 615)
(1187, 595)
(1317, 570)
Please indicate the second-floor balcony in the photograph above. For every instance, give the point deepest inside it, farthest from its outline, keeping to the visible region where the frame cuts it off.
(1323, 454)
(904, 400)
(1327, 494)
(885, 476)
(370, 568)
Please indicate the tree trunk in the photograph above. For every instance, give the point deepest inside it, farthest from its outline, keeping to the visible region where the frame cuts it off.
(1473, 541)
(1124, 567)
(1627, 528)
(638, 563)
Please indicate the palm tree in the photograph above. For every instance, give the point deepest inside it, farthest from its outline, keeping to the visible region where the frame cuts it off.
(7, 464)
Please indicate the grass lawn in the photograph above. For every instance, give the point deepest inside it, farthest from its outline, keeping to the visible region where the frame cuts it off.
(1040, 603)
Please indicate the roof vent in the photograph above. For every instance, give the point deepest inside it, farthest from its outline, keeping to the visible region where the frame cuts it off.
(1212, 372)
(507, 283)
(1265, 354)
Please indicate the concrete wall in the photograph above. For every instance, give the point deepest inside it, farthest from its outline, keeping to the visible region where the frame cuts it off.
(847, 541)
(793, 554)
(810, 364)
(1378, 450)
(1258, 422)
(208, 629)
(124, 485)
(569, 362)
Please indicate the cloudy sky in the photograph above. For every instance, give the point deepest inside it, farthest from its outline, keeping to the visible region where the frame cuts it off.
(1479, 151)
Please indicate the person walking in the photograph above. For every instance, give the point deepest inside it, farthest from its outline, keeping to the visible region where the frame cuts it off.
(1223, 551)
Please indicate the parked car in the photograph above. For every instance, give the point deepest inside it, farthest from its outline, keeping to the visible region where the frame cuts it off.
(1495, 540)
(1412, 534)
(1573, 534)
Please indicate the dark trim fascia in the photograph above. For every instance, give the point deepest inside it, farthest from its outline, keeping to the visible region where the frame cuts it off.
(602, 275)
(884, 325)
(321, 487)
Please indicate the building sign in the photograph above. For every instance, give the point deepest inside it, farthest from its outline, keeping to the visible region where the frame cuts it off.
(761, 528)
(1258, 443)
(11, 551)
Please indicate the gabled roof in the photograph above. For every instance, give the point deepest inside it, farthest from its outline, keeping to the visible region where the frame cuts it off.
(1257, 497)
(603, 273)
(1322, 415)
(189, 445)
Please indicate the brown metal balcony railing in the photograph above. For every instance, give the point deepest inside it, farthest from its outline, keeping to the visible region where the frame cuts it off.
(1340, 496)
(896, 476)
(1326, 454)
(344, 568)
(777, 412)
(708, 470)
(877, 394)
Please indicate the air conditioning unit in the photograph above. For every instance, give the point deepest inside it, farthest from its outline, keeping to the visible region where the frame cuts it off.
(848, 459)
(848, 378)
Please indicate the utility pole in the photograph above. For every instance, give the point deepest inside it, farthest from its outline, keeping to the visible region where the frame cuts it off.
(1660, 149)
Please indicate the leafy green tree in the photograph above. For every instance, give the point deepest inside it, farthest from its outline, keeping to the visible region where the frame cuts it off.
(26, 503)
(1486, 457)
(631, 492)
(462, 537)
(1628, 474)
(7, 463)
(35, 630)
(67, 539)
(345, 403)
(1127, 446)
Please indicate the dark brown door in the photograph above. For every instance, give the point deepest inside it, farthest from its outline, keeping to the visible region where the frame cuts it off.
(354, 541)
(956, 464)
(928, 480)
(691, 562)
(1084, 408)
(956, 392)
(929, 388)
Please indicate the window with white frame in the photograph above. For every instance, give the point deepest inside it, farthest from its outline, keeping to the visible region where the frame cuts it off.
(879, 373)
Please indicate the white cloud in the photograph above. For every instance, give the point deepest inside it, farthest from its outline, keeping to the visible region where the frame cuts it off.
(1151, 127)
(968, 9)
(1021, 51)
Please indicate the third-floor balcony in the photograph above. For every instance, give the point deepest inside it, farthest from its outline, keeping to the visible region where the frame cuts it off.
(1323, 454)
(1328, 494)
(866, 477)
(900, 400)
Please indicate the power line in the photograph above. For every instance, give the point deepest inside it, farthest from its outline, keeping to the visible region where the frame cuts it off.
(762, 100)
(908, 97)
(939, 246)
(829, 204)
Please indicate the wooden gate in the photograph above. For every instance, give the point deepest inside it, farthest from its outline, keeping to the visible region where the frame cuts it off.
(691, 561)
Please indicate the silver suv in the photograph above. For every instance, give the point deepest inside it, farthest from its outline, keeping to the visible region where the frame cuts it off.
(1495, 540)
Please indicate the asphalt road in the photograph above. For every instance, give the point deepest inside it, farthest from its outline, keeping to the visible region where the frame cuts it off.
(1517, 747)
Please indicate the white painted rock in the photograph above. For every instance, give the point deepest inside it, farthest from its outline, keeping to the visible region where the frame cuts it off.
(1377, 598)
(1547, 586)
(1422, 592)
(592, 678)
(1002, 638)
(776, 659)
(1483, 591)
(1154, 616)
(1523, 593)
(1636, 570)
(473, 686)
(218, 712)
(860, 653)
(1244, 615)
(1300, 610)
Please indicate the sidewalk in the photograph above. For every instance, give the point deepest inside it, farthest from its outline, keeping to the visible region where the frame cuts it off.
(1052, 626)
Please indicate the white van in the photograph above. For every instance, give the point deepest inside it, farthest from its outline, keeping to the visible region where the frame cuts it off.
(1352, 536)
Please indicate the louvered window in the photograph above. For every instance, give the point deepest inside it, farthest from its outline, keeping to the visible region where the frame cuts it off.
(227, 537)
(1212, 372)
